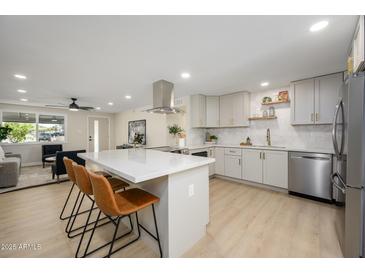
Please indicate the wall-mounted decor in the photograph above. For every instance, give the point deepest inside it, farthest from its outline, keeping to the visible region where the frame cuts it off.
(137, 132)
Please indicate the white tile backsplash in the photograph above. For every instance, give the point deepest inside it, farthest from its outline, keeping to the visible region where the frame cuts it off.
(282, 132)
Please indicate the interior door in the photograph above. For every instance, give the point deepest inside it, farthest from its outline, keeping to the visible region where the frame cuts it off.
(98, 138)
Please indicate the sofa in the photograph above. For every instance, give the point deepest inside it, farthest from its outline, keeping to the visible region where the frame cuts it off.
(10, 167)
(49, 151)
(58, 168)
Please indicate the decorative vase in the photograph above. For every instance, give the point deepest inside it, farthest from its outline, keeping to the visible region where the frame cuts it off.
(181, 142)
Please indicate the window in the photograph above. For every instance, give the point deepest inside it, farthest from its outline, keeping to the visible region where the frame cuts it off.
(23, 125)
(51, 128)
(32, 127)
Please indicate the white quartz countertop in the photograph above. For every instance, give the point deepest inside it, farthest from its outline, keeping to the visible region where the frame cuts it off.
(138, 165)
(281, 148)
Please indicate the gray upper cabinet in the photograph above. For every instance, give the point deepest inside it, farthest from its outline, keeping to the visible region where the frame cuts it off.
(326, 97)
(302, 102)
(198, 110)
(212, 110)
(313, 100)
(234, 109)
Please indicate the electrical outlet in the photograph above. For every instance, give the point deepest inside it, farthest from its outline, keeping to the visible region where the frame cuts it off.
(191, 190)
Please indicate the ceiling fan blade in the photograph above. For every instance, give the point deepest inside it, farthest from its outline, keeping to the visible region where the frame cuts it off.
(86, 108)
(57, 106)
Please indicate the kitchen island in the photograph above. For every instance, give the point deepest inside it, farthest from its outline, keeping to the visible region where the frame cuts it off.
(180, 181)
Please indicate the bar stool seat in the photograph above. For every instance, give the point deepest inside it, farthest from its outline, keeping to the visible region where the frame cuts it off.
(117, 183)
(133, 200)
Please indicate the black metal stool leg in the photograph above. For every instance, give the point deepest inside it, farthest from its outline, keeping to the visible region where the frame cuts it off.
(114, 235)
(92, 233)
(157, 235)
(83, 232)
(76, 213)
(64, 207)
(72, 211)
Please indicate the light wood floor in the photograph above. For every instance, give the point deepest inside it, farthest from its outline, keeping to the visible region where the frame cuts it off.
(244, 222)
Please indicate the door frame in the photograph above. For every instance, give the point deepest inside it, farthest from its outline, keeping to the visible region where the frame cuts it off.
(87, 129)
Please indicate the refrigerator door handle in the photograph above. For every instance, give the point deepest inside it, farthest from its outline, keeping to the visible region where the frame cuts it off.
(336, 185)
(338, 151)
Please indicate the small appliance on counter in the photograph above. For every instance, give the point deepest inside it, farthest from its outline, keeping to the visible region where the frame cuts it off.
(124, 146)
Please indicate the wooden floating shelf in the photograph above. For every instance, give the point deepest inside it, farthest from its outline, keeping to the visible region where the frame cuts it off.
(275, 103)
(262, 118)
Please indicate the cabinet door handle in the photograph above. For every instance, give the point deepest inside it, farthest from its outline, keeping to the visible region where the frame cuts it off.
(263, 155)
(260, 155)
(317, 116)
(239, 162)
(312, 117)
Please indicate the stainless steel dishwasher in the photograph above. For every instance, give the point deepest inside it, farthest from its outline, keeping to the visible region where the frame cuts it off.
(309, 174)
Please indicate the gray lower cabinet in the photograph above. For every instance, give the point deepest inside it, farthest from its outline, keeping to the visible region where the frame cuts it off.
(268, 167)
(219, 160)
(232, 166)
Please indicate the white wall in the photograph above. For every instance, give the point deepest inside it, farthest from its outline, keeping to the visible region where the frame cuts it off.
(282, 132)
(76, 131)
(156, 127)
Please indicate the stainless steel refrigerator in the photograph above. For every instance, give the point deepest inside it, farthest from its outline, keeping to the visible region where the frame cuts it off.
(348, 178)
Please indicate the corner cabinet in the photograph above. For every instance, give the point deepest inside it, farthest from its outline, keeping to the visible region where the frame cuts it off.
(198, 110)
(269, 167)
(234, 109)
(313, 101)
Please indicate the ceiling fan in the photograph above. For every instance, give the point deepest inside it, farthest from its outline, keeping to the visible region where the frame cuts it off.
(73, 106)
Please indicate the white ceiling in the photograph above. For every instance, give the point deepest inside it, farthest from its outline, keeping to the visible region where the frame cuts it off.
(103, 58)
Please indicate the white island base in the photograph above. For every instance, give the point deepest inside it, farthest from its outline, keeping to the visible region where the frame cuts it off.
(181, 218)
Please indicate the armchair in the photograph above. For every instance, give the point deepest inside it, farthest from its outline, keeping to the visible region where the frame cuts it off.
(49, 151)
(58, 168)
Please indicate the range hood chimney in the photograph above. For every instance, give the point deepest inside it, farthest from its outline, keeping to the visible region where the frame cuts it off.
(163, 98)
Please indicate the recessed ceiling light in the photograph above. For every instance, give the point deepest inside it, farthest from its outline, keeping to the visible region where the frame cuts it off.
(110, 103)
(24, 100)
(264, 84)
(98, 108)
(128, 97)
(185, 75)
(22, 91)
(20, 76)
(318, 26)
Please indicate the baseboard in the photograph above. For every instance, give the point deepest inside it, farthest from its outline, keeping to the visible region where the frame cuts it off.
(32, 164)
(259, 185)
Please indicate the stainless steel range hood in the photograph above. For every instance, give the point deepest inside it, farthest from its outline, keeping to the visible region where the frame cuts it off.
(163, 98)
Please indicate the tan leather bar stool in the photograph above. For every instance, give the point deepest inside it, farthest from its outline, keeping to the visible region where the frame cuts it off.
(71, 176)
(122, 204)
(117, 185)
(84, 184)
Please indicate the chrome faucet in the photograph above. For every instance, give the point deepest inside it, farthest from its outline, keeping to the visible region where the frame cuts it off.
(268, 138)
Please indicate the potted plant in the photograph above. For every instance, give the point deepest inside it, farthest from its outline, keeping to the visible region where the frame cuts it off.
(4, 132)
(178, 133)
(213, 138)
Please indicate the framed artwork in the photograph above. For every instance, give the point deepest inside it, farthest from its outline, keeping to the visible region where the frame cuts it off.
(137, 132)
